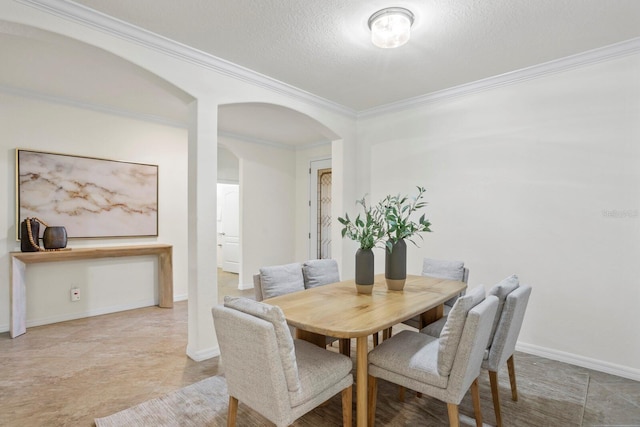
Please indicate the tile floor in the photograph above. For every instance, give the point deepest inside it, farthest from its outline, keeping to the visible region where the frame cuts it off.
(68, 373)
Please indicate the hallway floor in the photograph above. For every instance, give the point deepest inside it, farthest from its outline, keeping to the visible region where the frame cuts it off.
(68, 373)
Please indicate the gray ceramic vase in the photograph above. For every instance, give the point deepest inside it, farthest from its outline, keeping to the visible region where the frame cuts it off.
(395, 266)
(364, 271)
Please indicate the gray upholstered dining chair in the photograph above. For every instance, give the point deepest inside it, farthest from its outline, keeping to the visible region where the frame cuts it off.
(282, 279)
(444, 367)
(266, 369)
(446, 269)
(278, 280)
(512, 304)
(320, 272)
(441, 269)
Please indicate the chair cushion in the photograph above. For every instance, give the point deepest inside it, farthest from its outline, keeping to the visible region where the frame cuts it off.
(447, 308)
(452, 330)
(272, 314)
(318, 370)
(434, 329)
(412, 355)
(281, 279)
(318, 272)
(443, 269)
(501, 290)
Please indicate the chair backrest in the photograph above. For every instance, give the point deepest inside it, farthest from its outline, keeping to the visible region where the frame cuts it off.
(257, 355)
(319, 272)
(257, 287)
(508, 328)
(279, 280)
(449, 337)
(501, 290)
(446, 269)
(473, 343)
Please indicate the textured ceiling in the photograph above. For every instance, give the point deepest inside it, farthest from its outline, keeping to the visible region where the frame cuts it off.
(323, 46)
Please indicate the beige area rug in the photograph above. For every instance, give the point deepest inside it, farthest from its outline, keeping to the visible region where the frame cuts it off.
(548, 397)
(201, 404)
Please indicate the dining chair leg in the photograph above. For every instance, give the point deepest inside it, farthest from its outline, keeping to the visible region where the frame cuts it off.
(386, 334)
(475, 395)
(495, 394)
(454, 416)
(347, 406)
(401, 393)
(373, 396)
(233, 411)
(345, 346)
(512, 378)
(375, 339)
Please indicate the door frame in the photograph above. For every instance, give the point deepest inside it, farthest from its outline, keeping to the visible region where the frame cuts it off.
(314, 166)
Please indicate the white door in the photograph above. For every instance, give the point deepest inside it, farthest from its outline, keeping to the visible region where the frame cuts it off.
(229, 223)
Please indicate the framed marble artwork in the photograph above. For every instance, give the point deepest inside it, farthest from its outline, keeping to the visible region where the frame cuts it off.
(90, 197)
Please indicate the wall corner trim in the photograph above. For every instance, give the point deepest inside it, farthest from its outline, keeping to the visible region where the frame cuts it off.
(204, 354)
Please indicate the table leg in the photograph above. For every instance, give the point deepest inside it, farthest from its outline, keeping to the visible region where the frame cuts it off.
(165, 278)
(312, 337)
(18, 320)
(362, 351)
(431, 316)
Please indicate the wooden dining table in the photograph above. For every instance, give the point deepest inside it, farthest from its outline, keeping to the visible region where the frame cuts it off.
(337, 310)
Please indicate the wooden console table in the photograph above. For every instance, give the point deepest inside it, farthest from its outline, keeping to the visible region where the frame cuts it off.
(17, 274)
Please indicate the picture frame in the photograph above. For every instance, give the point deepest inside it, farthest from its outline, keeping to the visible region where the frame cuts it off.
(90, 197)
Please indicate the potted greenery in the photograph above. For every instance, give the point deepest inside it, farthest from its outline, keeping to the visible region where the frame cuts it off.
(368, 232)
(397, 212)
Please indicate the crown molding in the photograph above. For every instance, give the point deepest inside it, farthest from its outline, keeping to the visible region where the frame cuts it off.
(24, 93)
(628, 47)
(126, 31)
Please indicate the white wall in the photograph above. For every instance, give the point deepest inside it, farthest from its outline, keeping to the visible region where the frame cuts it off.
(108, 284)
(228, 167)
(539, 178)
(274, 195)
(267, 205)
(203, 79)
(518, 179)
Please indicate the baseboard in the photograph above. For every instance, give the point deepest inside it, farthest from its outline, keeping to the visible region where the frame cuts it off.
(88, 313)
(585, 362)
(182, 297)
(200, 355)
(245, 286)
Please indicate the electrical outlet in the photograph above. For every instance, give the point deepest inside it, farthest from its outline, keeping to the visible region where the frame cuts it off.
(75, 294)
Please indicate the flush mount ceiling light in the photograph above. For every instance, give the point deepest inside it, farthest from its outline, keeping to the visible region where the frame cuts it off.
(391, 27)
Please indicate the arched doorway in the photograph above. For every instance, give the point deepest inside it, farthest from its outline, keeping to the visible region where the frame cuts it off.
(275, 147)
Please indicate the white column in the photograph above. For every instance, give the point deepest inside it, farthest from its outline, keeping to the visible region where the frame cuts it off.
(203, 283)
